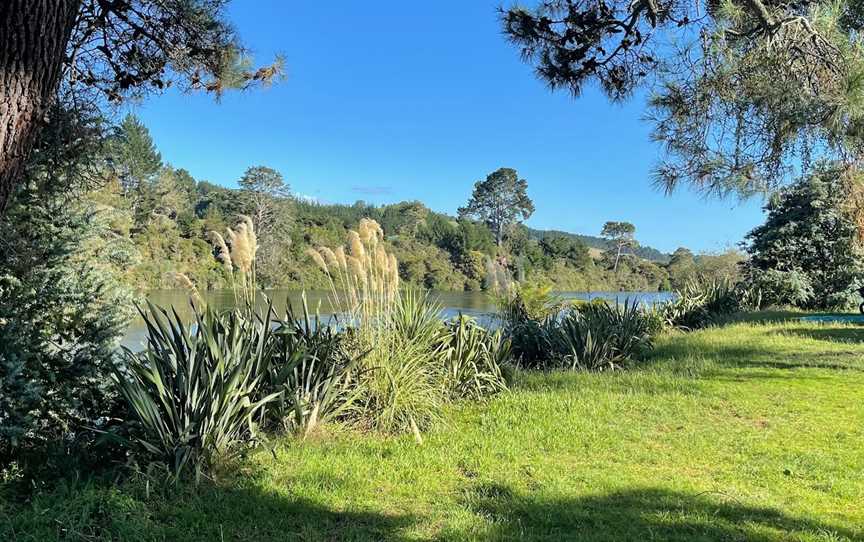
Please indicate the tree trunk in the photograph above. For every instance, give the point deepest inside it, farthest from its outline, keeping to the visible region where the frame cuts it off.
(33, 39)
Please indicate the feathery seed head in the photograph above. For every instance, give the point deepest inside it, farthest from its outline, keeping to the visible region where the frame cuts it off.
(356, 245)
(329, 257)
(186, 283)
(340, 257)
(318, 259)
(223, 255)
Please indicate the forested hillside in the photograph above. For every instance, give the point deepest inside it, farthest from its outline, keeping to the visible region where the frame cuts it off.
(163, 218)
(599, 243)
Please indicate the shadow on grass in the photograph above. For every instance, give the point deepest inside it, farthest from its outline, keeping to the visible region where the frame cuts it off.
(847, 335)
(250, 514)
(202, 513)
(646, 514)
(687, 354)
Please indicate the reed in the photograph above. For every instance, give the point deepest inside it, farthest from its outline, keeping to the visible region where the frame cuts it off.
(237, 257)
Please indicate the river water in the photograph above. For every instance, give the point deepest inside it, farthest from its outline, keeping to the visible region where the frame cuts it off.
(476, 304)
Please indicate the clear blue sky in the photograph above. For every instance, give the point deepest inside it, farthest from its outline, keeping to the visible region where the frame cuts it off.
(391, 100)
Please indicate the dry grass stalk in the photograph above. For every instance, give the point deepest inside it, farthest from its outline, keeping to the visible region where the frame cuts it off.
(364, 279)
(186, 283)
(239, 254)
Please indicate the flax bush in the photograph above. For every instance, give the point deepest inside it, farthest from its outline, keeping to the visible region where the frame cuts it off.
(314, 370)
(397, 379)
(196, 393)
(474, 361)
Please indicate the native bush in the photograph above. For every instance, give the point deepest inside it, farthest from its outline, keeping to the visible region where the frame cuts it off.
(778, 288)
(704, 302)
(473, 360)
(196, 393)
(598, 336)
(314, 370)
(525, 313)
(547, 332)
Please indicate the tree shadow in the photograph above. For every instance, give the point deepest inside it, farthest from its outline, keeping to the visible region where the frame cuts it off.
(239, 510)
(642, 514)
(847, 335)
(246, 514)
(705, 359)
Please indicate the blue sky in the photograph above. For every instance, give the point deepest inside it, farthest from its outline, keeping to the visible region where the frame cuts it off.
(390, 100)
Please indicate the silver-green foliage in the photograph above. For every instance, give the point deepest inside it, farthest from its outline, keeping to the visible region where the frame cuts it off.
(62, 308)
(196, 392)
(473, 359)
(598, 336)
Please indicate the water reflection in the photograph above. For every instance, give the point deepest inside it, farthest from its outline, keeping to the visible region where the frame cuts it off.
(476, 304)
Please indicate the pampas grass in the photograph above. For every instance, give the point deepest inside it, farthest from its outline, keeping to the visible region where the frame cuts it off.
(237, 257)
(364, 279)
(399, 380)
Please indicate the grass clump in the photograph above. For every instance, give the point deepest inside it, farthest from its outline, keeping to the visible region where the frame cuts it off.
(474, 361)
(411, 363)
(547, 333)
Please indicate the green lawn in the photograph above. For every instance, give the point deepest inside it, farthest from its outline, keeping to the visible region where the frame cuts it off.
(754, 431)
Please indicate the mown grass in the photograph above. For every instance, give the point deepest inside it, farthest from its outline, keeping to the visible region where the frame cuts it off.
(753, 431)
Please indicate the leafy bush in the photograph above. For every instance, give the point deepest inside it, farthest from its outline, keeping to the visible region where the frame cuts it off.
(524, 312)
(62, 309)
(473, 359)
(809, 251)
(416, 316)
(702, 302)
(197, 393)
(313, 368)
(780, 288)
(599, 336)
(588, 335)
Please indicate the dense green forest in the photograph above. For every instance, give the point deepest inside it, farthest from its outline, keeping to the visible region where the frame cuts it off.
(163, 217)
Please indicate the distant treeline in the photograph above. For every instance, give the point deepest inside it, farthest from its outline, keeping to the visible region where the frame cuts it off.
(163, 216)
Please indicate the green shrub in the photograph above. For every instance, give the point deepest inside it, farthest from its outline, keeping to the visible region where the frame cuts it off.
(524, 313)
(473, 359)
(702, 302)
(398, 382)
(197, 393)
(313, 368)
(781, 288)
(599, 336)
(62, 313)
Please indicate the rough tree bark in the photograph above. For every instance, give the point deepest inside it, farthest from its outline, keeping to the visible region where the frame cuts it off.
(33, 39)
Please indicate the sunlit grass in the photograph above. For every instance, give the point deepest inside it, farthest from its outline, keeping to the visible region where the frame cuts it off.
(754, 431)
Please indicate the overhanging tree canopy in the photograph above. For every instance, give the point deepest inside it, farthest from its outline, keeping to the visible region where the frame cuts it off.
(107, 50)
(744, 92)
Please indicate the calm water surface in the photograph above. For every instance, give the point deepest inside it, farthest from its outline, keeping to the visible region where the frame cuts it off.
(476, 304)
